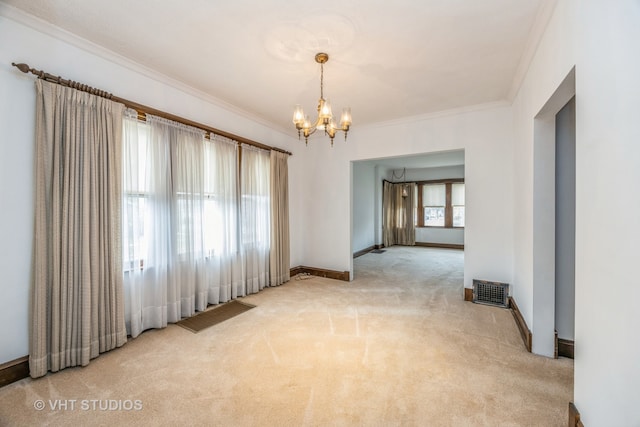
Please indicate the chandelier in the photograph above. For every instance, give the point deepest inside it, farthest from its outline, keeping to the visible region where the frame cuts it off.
(325, 118)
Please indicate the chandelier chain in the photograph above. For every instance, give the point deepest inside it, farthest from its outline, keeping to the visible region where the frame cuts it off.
(400, 175)
(322, 81)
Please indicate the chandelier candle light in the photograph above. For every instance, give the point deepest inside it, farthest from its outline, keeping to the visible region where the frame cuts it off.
(325, 118)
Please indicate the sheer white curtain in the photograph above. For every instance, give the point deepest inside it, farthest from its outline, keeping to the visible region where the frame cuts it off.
(135, 224)
(196, 231)
(255, 217)
(164, 236)
(224, 272)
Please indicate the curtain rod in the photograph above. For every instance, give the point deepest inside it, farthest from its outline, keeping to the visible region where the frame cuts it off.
(141, 109)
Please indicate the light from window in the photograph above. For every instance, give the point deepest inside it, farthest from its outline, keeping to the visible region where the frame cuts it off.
(458, 216)
(213, 236)
(457, 202)
(136, 191)
(135, 241)
(434, 198)
(433, 217)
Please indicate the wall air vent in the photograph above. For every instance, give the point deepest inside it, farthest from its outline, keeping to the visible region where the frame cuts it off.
(491, 293)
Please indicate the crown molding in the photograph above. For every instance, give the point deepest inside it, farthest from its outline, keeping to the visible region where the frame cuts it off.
(47, 28)
(540, 23)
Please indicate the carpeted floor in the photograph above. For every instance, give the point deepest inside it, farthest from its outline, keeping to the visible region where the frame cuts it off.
(397, 346)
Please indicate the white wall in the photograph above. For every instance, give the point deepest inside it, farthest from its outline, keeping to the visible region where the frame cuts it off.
(21, 43)
(364, 197)
(484, 134)
(553, 60)
(16, 216)
(607, 177)
(601, 40)
(449, 236)
(427, 174)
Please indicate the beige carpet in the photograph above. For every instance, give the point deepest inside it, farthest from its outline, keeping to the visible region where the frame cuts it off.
(397, 346)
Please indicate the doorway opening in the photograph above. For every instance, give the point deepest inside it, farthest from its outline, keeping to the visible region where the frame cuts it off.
(367, 213)
(565, 256)
(554, 220)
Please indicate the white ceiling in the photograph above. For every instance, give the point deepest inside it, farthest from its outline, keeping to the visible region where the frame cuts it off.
(388, 60)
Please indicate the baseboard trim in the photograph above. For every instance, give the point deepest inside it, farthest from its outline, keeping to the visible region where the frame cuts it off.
(525, 332)
(14, 370)
(440, 245)
(574, 416)
(363, 251)
(565, 348)
(468, 294)
(320, 272)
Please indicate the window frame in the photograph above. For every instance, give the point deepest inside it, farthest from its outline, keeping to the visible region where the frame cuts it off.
(448, 209)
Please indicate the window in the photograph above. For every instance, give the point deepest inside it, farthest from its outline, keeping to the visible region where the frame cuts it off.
(136, 195)
(183, 202)
(195, 223)
(457, 203)
(434, 198)
(440, 204)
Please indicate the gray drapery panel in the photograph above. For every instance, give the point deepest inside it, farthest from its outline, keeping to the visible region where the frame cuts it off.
(398, 222)
(77, 308)
(280, 259)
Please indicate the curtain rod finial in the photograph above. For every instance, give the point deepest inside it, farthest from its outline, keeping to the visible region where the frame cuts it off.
(22, 67)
